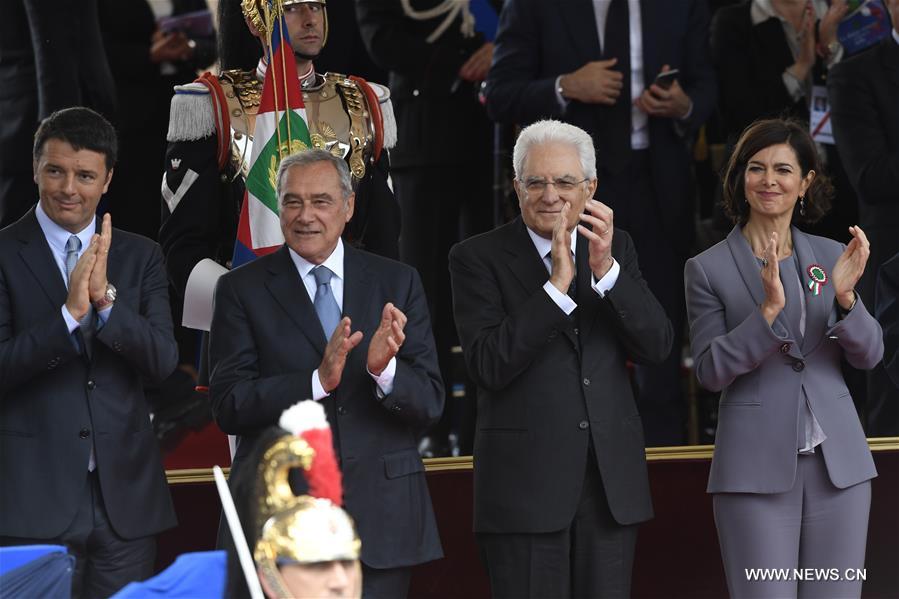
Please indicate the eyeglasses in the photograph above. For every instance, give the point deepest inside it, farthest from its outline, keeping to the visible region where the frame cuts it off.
(561, 185)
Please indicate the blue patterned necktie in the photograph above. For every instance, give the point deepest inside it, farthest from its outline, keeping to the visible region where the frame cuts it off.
(73, 246)
(325, 304)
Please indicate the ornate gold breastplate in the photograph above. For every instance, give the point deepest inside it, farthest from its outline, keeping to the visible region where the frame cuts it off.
(337, 115)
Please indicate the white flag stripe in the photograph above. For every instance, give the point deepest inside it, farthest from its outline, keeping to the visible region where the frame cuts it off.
(265, 225)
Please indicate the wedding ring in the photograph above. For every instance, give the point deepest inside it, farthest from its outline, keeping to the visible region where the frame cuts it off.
(764, 262)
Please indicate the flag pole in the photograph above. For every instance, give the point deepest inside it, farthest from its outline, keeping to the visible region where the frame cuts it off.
(282, 27)
(269, 25)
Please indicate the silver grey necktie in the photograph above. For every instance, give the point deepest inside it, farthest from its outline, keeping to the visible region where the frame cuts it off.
(73, 246)
(325, 304)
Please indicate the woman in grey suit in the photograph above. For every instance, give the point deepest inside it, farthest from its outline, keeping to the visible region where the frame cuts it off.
(772, 312)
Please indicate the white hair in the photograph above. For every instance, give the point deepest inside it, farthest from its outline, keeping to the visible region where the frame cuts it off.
(552, 131)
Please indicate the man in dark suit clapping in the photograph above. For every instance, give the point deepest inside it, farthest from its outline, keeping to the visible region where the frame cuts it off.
(319, 319)
(84, 321)
(548, 312)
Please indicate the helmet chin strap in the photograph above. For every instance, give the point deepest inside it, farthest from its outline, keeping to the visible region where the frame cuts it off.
(306, 56)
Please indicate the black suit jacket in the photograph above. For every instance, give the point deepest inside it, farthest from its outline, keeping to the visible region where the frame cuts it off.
(864, 107)
(546, 383)
(51, 57)
(750, 60)
(537, 41)
(55, 401)
(887, 312)
(265, 343)
(439, 118)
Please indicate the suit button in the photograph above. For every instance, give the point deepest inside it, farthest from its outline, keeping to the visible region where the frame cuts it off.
(583, 425)
(586, 382)
(799, 366)
(90, 385)
(785, 348)
(395, 408)
(415, 92)
(576, 331)
(622, 313)
(553, 333)
(84, 433)
(117, 346)
(341, 410)
(52, 363)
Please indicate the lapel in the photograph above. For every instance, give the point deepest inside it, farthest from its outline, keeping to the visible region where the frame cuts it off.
(523, 260)
(586, 297)
(746, 263)
(750, 272)
(652, 22)
(358, 300)
(38, 259)
(889, 56)
(772, 44)
(528, 267)
(288, 290)
(817, 306)
(580, 19)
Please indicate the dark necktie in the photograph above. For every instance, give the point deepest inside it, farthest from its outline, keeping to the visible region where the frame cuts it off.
(73, 246)
(325, 304)
(615, 138)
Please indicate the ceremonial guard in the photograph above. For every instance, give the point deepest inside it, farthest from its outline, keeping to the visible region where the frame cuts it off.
(211, 133)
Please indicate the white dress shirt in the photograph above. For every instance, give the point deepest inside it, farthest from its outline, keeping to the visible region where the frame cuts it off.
(57, 237)
(334, 263)
(565, 303)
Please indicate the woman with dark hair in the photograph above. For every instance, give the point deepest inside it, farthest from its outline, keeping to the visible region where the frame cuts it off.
(772, 313)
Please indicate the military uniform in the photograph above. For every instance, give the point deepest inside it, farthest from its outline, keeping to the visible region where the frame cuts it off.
(210, 136)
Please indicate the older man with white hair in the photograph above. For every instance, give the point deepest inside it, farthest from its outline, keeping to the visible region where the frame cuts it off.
(321, 320)
(549, 309)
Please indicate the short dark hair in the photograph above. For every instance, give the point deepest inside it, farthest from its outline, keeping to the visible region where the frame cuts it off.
(81, 128)
(771, 132)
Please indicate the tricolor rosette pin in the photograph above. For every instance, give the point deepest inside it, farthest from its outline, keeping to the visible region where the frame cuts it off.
(818, 278)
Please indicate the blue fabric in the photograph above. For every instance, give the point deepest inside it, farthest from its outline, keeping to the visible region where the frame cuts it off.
(49, 575)
(325, 304)
(485, 18)
(191, 576)
(15, 556)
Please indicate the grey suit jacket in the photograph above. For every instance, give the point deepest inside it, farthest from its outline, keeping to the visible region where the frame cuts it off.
(762, 370)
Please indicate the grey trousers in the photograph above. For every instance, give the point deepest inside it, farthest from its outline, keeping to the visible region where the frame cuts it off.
(807, 542)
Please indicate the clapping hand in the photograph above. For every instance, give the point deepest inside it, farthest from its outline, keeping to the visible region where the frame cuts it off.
(98, 281)
(387, 340)
(849, 267)
(562, 261)
(775, 299)
(78, 302)
(339, 346)
(599, 217)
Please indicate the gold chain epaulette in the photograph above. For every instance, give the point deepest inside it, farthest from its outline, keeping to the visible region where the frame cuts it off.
(361, 130)
(243, 93)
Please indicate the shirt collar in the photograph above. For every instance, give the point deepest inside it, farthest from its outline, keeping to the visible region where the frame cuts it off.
(544, 246)
(762, 10)
(334, 262)
(307, 80)
(57, 237)
(896, 36)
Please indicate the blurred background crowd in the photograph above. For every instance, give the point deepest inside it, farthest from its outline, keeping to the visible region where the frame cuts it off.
(460, 93)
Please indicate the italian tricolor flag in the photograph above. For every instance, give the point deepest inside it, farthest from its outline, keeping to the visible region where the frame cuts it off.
(280, 130)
